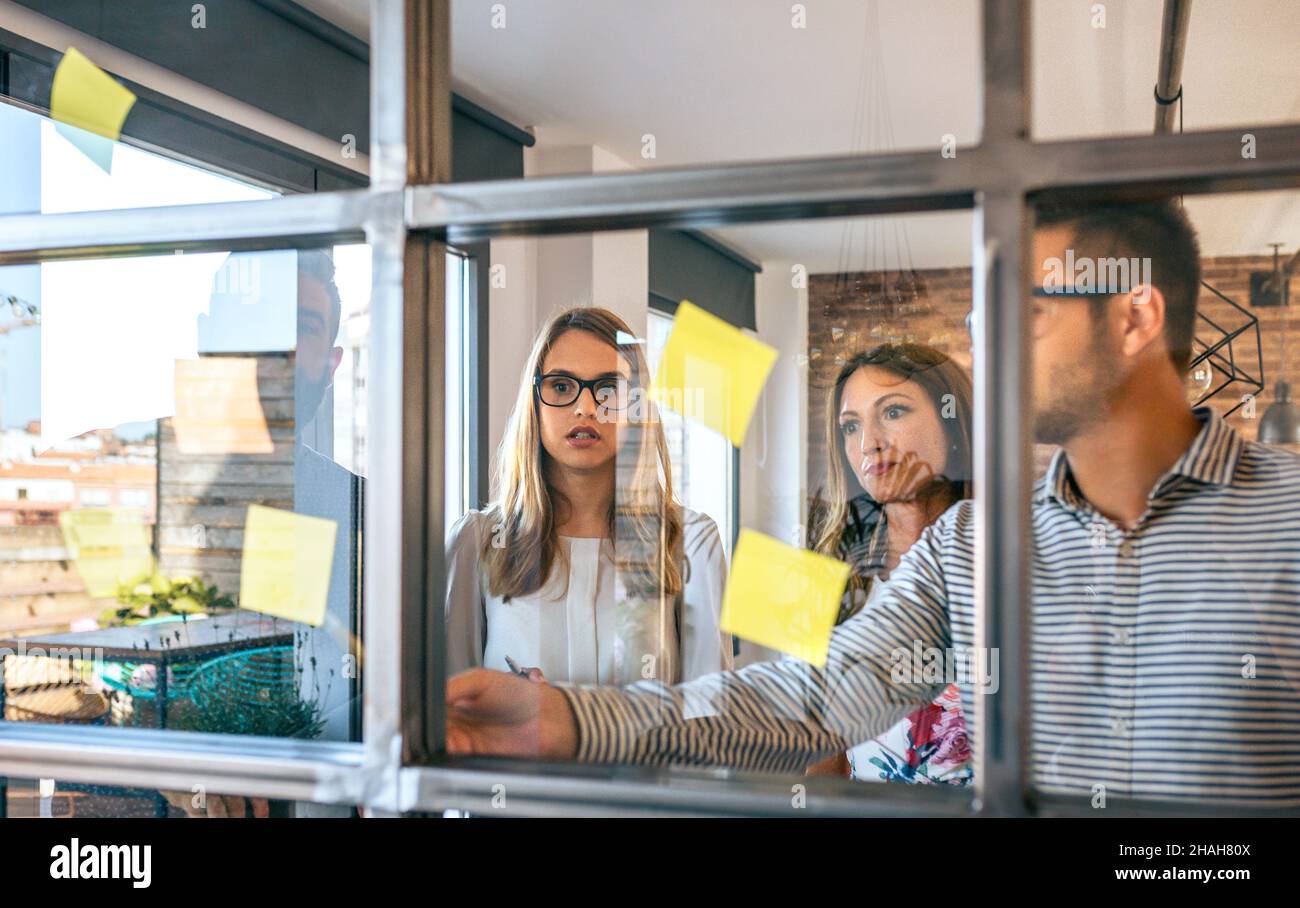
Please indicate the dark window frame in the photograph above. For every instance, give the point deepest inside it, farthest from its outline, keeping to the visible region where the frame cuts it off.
(414, 213)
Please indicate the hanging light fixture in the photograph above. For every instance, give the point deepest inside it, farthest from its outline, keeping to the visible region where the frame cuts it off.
(1280, 424)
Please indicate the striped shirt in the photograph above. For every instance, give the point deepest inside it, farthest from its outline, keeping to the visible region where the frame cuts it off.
(1165, 658)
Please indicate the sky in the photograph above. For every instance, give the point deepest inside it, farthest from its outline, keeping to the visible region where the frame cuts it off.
(112, 329)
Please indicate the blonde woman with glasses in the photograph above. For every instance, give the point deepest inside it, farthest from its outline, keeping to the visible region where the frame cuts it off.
(583, 569)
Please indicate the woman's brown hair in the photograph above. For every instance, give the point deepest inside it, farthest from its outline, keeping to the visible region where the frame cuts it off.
(949, 388)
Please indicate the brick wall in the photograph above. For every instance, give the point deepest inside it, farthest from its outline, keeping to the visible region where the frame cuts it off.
(841, 321)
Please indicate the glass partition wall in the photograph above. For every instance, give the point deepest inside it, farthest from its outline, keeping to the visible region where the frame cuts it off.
(408, 217)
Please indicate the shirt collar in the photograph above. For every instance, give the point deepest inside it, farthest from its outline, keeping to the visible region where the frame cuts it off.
(1056, 482)
(1211, 458)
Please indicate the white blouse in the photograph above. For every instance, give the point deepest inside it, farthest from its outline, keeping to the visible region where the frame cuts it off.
(592, 632)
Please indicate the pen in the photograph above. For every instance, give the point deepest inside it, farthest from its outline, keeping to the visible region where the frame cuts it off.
(514, 667)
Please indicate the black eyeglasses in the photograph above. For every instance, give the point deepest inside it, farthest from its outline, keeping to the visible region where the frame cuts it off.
(1054, 295)
(1046, 300)
(555, 389)
(1071, 292)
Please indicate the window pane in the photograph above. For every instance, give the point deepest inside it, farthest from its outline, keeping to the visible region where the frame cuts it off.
(1166, 526)
(841, 375)
(51, 167)
(1095, 65)
(187, 433)
(457, 493)
(627, 85)
(289, 109)
(701, 458)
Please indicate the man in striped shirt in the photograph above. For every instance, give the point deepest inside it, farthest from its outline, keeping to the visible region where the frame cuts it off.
(1166, 581)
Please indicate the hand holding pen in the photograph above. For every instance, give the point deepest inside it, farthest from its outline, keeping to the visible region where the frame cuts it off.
(532, 674)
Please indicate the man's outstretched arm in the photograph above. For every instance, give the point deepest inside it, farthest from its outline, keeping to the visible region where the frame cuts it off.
(771, 716)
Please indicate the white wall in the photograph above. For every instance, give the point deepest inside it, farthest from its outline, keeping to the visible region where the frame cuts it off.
(544, 275)
(620, 275)
(512, 324)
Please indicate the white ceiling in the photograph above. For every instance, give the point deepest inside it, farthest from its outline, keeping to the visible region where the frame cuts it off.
(731, 80)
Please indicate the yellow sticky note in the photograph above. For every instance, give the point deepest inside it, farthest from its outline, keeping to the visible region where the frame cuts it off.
(286, 565)
(782, 597)
(110, 546)
(86, 97)
(218, 407)
(712, 372)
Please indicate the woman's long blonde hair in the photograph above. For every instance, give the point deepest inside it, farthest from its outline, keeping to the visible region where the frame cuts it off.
(643, 520)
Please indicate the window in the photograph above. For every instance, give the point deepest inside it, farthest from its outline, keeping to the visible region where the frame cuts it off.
(850, 331)
(52, 174)
(96, 497)
(188, 404)
(1094, 75)
(179, 412)
(702, 462)
(829, 77)
(460, 495)
(580, 241)
(134, 498)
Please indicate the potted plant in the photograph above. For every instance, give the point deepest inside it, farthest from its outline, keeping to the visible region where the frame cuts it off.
(222, 700)
(156, 596)
(242, 693)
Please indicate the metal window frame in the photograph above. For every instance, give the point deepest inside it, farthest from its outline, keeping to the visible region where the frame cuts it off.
(407, 215)
(478, 306)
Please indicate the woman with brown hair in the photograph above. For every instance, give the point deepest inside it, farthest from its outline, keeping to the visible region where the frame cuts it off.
(898, 440)
(582, 568)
